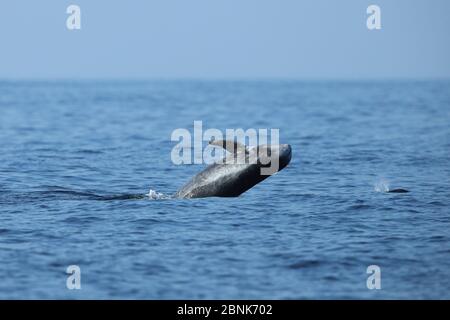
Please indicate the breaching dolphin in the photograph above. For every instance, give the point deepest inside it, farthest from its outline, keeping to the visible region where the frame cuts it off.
(229, 178)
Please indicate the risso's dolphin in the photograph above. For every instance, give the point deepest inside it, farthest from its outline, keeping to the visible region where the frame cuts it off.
(232, 176)
(398, 191)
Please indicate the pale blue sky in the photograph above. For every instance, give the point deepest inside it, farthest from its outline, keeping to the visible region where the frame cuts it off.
(306, 39)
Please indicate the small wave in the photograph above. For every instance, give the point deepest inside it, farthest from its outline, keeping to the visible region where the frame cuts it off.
(62, 193)
(127, 196)
(304, 264)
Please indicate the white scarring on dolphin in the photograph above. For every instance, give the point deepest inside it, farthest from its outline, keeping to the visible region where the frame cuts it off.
(230, 179)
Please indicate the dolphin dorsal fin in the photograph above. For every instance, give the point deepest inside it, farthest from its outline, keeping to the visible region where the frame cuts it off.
(229, 145)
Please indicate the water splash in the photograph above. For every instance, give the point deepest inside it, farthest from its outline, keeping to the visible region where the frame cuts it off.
(381, 186)
(153, 195)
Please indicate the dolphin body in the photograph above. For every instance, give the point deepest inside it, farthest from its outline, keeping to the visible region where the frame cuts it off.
(231, 179)
(398, 191)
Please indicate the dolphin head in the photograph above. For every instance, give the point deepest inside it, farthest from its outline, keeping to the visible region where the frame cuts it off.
(284, 154)
(272, 158)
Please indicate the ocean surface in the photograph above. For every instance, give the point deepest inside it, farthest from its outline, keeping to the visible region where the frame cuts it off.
(78, 160)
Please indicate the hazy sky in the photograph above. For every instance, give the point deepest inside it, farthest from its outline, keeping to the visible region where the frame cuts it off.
(225, 39)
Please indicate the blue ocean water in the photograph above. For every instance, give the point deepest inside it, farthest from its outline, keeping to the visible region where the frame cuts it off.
(69, 148)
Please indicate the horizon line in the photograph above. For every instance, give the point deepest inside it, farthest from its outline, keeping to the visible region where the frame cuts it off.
(243, 79)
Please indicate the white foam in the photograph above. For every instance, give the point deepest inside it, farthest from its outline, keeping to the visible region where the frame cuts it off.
(381, 186)
(153, 195)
